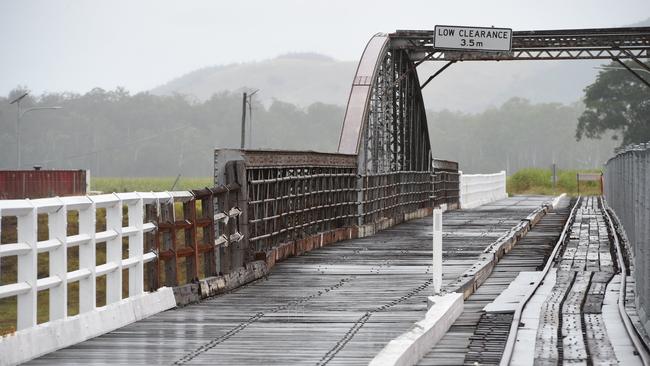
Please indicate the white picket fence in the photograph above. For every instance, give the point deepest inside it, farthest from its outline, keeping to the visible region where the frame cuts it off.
(27, 248)
(479, 189)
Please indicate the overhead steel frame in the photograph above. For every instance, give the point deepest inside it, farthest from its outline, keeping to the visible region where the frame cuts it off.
(385, 122)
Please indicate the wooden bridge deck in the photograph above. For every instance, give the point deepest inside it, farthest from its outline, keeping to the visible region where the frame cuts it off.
(337, 305)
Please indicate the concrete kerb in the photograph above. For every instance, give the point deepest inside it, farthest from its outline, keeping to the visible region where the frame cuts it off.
(474, 277)
(28, 344)
(557, 200)
(411, 346)
(212, 286)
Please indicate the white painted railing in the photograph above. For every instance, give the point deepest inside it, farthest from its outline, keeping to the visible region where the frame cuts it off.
(27, 247)
(479, 189)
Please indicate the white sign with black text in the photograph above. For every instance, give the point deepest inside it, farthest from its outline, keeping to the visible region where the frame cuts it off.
(448, 37)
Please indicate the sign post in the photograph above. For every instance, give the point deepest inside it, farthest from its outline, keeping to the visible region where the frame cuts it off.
(448, 37)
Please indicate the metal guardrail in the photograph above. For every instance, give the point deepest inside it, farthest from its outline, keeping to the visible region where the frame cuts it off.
(627, 191)
(287, 196)
(446, 183)
(196, 243)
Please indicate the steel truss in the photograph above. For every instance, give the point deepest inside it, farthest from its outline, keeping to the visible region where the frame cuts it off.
(385, 123)
(571, 44)
(396, 137)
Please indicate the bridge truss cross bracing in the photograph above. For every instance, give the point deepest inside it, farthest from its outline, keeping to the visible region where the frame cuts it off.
(385, 123)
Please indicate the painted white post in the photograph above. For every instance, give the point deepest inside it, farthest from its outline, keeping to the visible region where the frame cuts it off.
(87, 260)
(27, 269)
(58, 225)
(136, 248)
(114, 252)
(437, 251)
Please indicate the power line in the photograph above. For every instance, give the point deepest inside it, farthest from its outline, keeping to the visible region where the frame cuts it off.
(128, 144)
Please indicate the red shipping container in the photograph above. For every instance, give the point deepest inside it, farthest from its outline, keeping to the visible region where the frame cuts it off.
(17, 184)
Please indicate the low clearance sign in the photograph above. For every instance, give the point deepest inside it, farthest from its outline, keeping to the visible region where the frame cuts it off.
(448, 37)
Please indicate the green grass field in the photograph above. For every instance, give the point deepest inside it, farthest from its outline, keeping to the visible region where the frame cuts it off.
(147, 184)
(538, 181)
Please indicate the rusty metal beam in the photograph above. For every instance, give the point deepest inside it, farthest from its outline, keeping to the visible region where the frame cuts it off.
(437, 73)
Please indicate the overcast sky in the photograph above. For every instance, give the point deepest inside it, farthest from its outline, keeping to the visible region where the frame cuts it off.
(76, 45)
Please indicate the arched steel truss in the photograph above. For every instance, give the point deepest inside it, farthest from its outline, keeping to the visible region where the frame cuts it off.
(385, 123)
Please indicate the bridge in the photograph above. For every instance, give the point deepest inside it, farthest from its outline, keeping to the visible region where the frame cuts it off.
(298, 257)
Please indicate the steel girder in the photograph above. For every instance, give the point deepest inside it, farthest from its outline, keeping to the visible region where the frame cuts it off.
(622, 43)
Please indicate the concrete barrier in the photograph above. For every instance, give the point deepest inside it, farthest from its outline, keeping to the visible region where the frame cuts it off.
(36, 341)
(479, 189)
(411, 346)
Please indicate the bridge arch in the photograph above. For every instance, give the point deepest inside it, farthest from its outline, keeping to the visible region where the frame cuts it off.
(385, 122)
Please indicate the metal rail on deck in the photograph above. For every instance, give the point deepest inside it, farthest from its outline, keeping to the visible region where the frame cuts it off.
(514, 327)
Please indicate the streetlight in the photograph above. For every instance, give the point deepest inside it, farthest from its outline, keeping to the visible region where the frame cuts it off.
(19, 116)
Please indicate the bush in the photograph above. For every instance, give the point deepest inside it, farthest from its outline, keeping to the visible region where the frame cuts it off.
(525, 179)
(538, 181)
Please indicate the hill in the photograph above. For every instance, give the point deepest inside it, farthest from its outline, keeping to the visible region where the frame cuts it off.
(306, 78)
(299, 78)
(303, 79)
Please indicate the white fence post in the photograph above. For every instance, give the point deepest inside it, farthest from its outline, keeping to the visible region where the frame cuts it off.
(58, 226)
(136, 248)
(87, 259)
(114, 252)
(30, 340)
(437, 251)
(27, 268)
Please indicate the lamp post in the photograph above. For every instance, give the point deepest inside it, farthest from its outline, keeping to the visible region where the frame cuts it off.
(19, 116)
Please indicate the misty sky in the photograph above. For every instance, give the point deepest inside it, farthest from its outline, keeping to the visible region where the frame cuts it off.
(76, 45)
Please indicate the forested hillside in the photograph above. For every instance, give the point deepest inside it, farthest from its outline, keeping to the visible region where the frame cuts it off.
(114, 133)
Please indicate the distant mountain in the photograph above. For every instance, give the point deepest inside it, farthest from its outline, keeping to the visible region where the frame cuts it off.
(305, 78)
(299, 78)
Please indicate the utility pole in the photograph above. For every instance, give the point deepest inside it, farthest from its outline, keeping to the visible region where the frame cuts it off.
(247, 99)
(243, 121)
(250, 118)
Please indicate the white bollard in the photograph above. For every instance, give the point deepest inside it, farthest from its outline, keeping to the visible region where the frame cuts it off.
(437, 251)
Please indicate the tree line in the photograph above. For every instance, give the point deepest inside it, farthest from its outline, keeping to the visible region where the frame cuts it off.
(116, 133)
